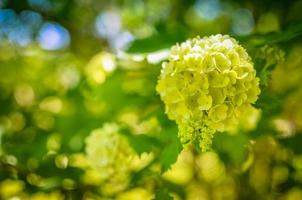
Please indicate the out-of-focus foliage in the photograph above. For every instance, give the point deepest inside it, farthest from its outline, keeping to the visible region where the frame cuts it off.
(80, 117)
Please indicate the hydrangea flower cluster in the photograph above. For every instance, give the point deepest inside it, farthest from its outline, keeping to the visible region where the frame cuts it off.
(109, 153)
(206, 85)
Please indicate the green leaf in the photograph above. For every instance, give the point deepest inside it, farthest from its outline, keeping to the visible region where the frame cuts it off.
(293, 143)
(164, 38)
(142, 143)
(169, 155)
(271, 103)
(172, 147)
(290, 32)
(268, 101)
(163, 194)
(232, 147)
(166, 188)
(151, 44)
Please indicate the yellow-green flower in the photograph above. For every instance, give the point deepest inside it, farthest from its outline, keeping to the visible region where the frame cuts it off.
(110, 156)
(205, 84)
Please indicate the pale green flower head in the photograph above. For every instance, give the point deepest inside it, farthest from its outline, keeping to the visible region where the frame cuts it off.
(205, 84)
(109, 153)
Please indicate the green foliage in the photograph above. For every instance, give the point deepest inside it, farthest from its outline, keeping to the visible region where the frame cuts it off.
(143, 143)
(293, 143)
(170, 149)
(163, 194)
(164, 38)
(233, 148)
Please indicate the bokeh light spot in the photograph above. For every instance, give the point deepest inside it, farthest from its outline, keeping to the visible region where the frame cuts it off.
(122, 41)
(208, 9)
(21, 35)
(53, 36)
(24, 95)
(51, 104)
(8, 20)
(108, 24)
(69, 77)
(243, 22)
(33, 19)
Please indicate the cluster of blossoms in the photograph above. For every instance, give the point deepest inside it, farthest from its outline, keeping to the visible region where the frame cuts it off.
(109, 153)
(207, 85)
(271, 54)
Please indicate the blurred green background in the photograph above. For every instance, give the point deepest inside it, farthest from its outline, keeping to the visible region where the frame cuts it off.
(69, 66)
